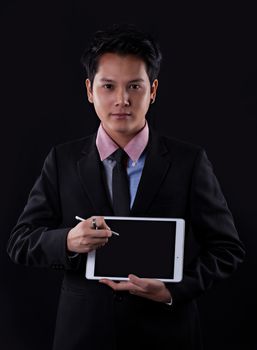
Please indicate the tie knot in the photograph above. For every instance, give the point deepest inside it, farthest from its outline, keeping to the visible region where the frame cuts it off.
(120, 155)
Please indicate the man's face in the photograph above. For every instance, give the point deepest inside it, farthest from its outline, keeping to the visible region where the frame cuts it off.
(121, 94)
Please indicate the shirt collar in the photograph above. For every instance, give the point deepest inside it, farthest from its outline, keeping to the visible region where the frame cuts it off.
(106, 146)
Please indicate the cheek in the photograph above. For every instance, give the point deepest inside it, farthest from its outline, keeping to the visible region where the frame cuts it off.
(143, 102)
(101, 101)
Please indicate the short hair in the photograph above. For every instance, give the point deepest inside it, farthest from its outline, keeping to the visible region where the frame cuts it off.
(122, 39)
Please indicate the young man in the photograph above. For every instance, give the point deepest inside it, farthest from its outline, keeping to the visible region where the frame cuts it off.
(166, 178)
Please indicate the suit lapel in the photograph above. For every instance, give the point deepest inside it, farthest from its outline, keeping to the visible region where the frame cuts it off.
(90, 172)
(156, 166)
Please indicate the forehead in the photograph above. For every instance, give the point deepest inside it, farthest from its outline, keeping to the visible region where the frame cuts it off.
(116, 67)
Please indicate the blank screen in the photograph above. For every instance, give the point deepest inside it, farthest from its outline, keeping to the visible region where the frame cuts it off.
(144, 248)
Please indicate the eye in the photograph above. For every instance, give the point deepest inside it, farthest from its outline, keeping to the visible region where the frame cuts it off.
(134, 86)
(108, 86)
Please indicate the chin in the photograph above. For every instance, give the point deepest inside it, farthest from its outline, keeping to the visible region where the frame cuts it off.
(122, 130)
(122, 127)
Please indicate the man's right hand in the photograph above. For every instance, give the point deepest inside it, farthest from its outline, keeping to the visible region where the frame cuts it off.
(83, 238)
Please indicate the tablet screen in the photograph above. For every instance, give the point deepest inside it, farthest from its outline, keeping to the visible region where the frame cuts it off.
(144, 248)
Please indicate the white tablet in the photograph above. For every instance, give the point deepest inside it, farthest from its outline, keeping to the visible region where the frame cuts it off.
(146, 247)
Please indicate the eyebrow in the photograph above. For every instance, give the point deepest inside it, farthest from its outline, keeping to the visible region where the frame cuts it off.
(106, 80)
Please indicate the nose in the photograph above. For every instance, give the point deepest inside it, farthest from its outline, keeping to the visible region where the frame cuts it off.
(122, 98)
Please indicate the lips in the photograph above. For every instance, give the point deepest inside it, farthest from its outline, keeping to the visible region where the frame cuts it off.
(120, 115)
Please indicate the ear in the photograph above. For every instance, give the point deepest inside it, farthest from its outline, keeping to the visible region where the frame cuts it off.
(154, 90)
(89, 91)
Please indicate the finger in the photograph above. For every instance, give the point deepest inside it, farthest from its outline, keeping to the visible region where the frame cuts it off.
(100, 233)
(100, 222)
(142, 283)
(93, 246)
(92, 242)
(97, 246)
(109, 283)
(139, 293)
(118, 286)
(98, 242)
(146, 285)
(105, 225)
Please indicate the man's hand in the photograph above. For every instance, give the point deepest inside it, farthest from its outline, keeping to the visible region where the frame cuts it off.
(143, 287)
(83, 238)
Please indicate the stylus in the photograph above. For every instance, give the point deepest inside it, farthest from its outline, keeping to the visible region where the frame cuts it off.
(81, 219)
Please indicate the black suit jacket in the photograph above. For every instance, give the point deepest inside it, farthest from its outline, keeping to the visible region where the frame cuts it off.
(177, 181)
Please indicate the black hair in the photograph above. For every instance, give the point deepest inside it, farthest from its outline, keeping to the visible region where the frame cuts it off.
(122, 39)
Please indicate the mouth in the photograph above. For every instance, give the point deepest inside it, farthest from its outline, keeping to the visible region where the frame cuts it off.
(120, 115)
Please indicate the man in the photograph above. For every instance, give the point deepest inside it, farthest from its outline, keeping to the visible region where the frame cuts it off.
(166, 178)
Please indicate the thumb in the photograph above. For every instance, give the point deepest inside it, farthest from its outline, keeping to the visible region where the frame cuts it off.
(135, 279)
(140, 283)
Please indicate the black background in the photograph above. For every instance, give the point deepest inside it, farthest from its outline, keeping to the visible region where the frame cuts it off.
(207, 95)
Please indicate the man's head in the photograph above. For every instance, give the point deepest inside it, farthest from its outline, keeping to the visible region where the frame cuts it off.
(122, 66)
(122, 40)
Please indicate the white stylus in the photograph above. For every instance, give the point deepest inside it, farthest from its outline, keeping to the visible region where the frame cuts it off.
(81, 219)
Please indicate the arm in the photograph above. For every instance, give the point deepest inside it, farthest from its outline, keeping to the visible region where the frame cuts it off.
(212, 224)
(37, 239)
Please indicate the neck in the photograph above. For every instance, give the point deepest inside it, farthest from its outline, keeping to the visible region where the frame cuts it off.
(121, 140)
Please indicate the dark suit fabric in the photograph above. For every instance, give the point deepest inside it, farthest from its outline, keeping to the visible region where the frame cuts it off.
(177, 181)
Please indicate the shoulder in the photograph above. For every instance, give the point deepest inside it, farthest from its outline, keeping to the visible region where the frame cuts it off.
(76, 145)
(173, 143)
(71, 151)
(74, 149)
(176, 147)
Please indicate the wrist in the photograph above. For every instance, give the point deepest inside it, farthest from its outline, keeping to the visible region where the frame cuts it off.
(68, 243)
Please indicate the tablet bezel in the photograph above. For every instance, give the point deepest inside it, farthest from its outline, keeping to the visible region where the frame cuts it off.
(178, 254)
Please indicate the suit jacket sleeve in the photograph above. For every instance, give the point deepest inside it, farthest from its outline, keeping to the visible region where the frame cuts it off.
(213, 227)
(38, 238)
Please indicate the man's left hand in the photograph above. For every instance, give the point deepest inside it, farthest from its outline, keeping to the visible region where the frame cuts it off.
(143, 287)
